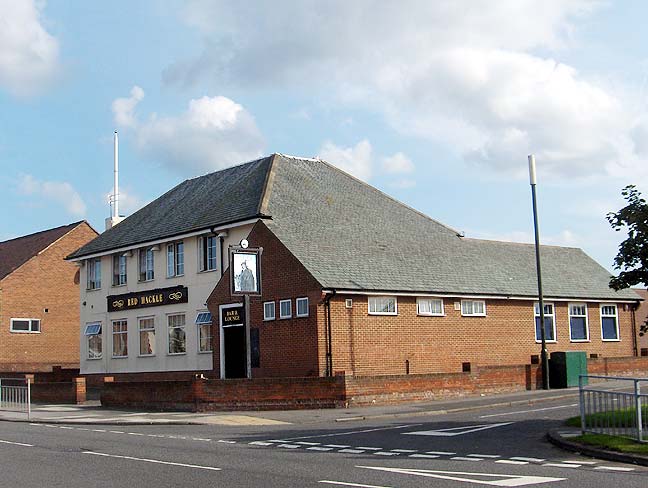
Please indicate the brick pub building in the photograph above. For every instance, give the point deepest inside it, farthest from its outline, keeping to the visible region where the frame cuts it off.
(39, 300)
(359, 293)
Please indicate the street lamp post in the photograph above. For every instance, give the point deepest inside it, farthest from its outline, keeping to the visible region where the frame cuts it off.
(544, 359)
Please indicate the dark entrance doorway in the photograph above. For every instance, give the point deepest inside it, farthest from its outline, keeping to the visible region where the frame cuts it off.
(235, 351)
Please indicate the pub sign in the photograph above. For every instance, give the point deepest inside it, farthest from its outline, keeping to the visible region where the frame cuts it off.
(149, 298)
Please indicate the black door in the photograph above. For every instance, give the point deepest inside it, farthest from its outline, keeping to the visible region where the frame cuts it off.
(235, 352)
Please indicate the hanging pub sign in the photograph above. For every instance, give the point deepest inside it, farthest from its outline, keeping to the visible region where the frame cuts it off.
(245, 270)
(149, 298)
(233, 316)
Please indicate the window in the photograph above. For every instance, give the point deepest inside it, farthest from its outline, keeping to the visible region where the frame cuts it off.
(578, 330)
(382, 306)
(120, 338)
(93, 273)
(29, 326)
(146, 264)
(93, 333)
(147, 336)
(177, 336)
(203, 321)
(269, 311)
(473, 308)
(609, 323)
(549, 320)
(285, 309)
(302, 307)
(207, 253)
(175, 259)
(429, 306)
(119, 269)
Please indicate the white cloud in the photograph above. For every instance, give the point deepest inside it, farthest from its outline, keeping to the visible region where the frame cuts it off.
(59, 192)
(29, 55)
(451, 72)
(354, 160)
(124, 108)
(565, 237)
(397, 163)
(128, 202)
(213, 133)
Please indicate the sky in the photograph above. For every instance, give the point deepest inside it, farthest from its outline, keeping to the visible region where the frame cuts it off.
(437, 104)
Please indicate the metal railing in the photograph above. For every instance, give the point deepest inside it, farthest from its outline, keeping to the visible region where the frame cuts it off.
(614, 405)
(15, 395)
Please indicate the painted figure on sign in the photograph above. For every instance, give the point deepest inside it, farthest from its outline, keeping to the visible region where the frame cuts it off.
(246, 278)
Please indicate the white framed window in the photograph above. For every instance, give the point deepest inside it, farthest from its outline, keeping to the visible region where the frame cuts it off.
(120, 338)
(93, 274)
(301, 304)
(473, 308)
(609, 322)
(175, 259)
(204, 323)
(119, 269)
(429, 306)
(207, 253)
(146, 264)
(383, 306)
(147, 336)
(550, 322)
(269, 311)
(95, 340)
(578, 326)
(177, 334)
(25, 326)
(285, 309)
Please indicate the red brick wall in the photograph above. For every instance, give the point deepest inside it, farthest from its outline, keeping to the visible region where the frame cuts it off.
(289, 347)
(46, 281)
(158, 395)
(369, 345)
(73, 392)
(637, 366)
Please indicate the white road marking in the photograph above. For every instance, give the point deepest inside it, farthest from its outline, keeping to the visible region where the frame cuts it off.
(509, 461)
(386, 453)
(351, 432)
(461, 458)
(614, 468)
(156, 461)
(342, 483)
(454, 431)
(351, 451)
(424, 456)
(403, 450)
(562, 465)
(202, 439)
(290, 446)
(260, 443)
(16, 443)
(318, 448)
(371, 448)
(527, 411)
(120, 432)
(336, 445)
(308, 443)
(65, 428)
(489, 456)
(226, 442)
(504, 479)
(134, 433)
(529, 459)
(442, 453)
(98, 430)
(580, 462)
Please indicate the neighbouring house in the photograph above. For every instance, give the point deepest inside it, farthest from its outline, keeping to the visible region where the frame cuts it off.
(352, 281)
(39, 299)
(642, 317)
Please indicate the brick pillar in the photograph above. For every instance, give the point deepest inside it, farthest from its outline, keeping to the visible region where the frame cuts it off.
(80, 390)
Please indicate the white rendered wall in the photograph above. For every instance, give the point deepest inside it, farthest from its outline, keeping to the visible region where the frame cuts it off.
(199, 285)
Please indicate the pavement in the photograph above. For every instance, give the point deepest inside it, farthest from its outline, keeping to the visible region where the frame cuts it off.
(93, 413)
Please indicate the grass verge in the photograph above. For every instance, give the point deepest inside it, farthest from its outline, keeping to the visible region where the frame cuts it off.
(613, 443)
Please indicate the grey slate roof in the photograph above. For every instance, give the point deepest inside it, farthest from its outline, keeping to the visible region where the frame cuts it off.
(231, 195)
(351, 236)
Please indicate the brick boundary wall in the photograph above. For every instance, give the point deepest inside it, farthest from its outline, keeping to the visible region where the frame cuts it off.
(67, 392)
(339, 391)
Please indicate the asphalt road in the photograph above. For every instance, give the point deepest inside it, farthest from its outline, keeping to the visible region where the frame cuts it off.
(492, 447)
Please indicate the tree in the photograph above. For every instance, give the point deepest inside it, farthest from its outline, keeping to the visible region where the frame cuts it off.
(632, 258)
